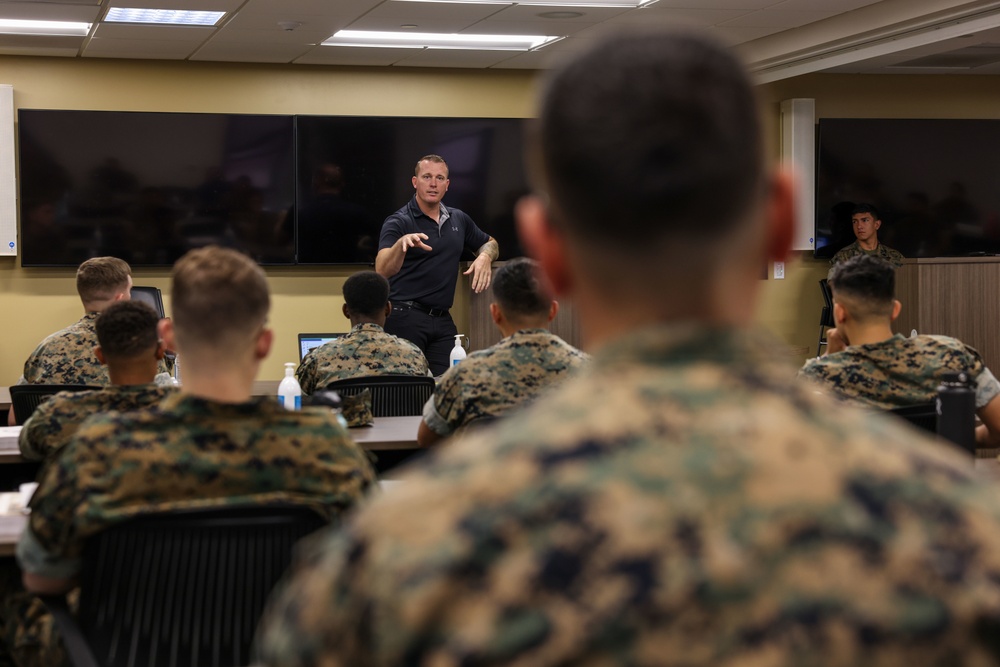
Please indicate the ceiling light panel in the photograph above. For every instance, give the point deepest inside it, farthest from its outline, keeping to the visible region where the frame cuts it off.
(163, 16)
(25, 27)
(433, 40)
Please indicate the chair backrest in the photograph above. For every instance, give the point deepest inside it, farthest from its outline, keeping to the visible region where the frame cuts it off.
(185, 588)
(26, 397)
(923, 416)
(392, 395)
(826, 317)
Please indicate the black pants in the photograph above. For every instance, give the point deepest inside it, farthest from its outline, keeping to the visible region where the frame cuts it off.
(434, 335)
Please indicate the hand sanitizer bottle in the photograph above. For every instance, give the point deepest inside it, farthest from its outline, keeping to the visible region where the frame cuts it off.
(289, 391)
(457, 352)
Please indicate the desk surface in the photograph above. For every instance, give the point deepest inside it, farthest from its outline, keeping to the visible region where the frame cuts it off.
(386, 433)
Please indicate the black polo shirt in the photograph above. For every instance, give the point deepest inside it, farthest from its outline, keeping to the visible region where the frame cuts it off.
(430, 277)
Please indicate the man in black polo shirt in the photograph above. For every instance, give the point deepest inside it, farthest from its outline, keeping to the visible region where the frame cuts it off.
(422, 282)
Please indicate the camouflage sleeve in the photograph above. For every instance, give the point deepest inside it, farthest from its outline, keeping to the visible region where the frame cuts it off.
(306, 374)
(46, 430)
(317, 618)
(50, 545)
(450, 402)
(987, 388)
(894, 257)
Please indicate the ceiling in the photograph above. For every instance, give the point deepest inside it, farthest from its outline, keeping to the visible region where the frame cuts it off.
(779, 38)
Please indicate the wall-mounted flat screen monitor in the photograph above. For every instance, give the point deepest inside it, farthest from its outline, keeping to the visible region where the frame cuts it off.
(147, 187)
(355, 171)
(935, 182)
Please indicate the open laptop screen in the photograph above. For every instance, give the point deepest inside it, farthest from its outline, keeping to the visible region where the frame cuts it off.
(308, 341)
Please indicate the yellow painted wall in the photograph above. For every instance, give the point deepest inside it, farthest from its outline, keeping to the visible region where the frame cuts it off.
(36, 302)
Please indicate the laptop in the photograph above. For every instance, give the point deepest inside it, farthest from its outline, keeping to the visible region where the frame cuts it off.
(307, 341)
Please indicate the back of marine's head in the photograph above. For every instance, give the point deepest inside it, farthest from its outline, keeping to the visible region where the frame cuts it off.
(648, 148)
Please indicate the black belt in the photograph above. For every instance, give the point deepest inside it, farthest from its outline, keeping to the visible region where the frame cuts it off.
(416, 305)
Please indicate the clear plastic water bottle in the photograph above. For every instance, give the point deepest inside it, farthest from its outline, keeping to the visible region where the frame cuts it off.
(177, 371)
(289, 391)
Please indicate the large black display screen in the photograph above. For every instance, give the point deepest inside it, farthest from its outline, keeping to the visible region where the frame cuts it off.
(147, 187)
(355, 171)
(935, 182)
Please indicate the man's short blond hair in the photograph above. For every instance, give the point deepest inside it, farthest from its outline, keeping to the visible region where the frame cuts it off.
(101, 278)
(219, 298)
(429, 158)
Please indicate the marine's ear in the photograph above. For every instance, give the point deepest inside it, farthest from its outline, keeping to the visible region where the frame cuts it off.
(544, 242)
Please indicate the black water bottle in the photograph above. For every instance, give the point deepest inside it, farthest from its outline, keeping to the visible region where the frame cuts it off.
(956, 408)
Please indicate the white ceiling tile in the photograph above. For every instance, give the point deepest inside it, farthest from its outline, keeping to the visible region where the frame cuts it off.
(426, 16)
(153, 33)
(328, 24)
(139, 48)
(716, 4)
(313, 7)
(35, 11)
(838, 6)
(552, 28)
(453, 58)
(531, 13)
(63, 2)
(250, 52)
(769, 18)
(274, 35)
(541, 59)
(656, 16)
(342, 55)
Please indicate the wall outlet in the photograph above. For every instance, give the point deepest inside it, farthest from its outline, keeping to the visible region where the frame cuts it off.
(779, 270)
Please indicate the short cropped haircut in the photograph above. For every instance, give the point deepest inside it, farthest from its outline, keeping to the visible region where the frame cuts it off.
(218, 295)
(650, 136)
(127, 329)
(867, 283)
(100, 278)
(518, 291)
(429, 158)
(366, 293)
(866, 208)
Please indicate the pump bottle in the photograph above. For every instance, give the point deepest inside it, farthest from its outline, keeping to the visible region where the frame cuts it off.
(289, 391)
(457, 352)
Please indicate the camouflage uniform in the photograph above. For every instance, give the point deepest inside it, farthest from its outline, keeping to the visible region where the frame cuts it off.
(881, 251)
(366, 350)
(682, 501)
(490, 382)
(53, 423)
(67, 357)
(900, 371)
(184, 453)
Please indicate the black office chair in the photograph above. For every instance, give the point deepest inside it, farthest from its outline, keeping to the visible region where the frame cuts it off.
(957, 429)
(392, 395)
(923, 416)
(826, 316)
(151, 296)
(179, 588)
(26, 397)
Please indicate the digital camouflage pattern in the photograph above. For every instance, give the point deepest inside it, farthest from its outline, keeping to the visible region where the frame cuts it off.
(67, 357)
(881, 251)
(900, 371)
(491, 382)
(682, 501)
(55, 421)
(189, 452)
(184, 453)
(366, 350)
